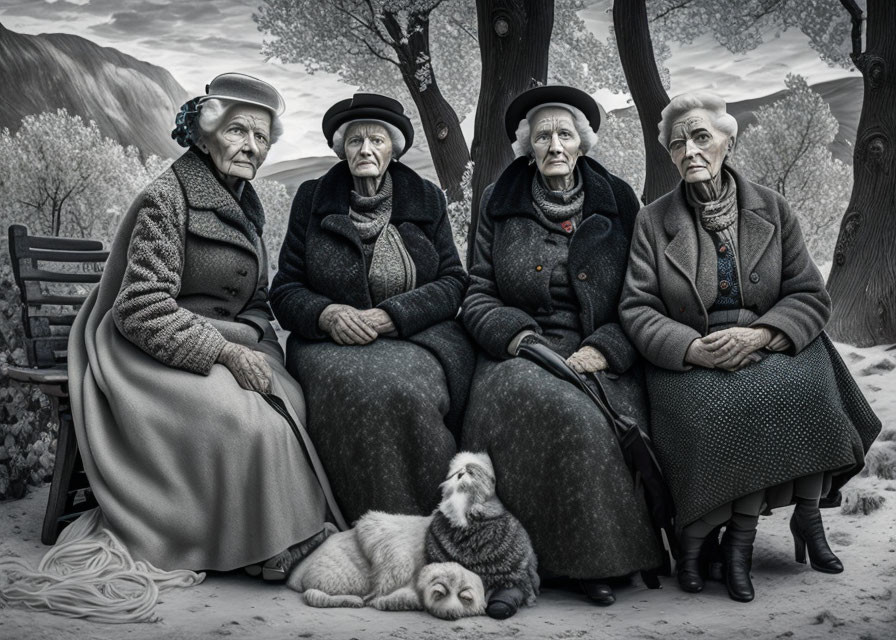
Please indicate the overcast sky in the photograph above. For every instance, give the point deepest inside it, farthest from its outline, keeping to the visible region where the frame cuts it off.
(197, 40)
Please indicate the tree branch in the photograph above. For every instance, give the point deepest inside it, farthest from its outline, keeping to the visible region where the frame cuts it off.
(675, 7)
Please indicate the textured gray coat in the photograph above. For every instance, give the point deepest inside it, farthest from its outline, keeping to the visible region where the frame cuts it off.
(671, 283)
(720, 435)
(191, 471)
(383, 415)
(558, 465)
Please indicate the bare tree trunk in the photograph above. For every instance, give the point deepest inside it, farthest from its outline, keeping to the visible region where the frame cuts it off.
(862, 283)
(440, 123)
(514, 38)
(648, 94)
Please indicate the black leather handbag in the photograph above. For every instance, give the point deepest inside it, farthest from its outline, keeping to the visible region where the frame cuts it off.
(635, 444)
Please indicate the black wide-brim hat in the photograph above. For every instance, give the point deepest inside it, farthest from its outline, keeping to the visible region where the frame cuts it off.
(368, 106)
(531, 98)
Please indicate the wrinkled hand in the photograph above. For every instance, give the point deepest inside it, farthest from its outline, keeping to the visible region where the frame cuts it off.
(699, 356)
(248, 367)
(587, 360)
(734, 348)
(779, 343)
(379, 320)
(345, 325)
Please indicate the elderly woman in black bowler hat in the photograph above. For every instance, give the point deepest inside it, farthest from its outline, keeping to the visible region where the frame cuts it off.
(174, 364)
(369, 286)
(548, 265)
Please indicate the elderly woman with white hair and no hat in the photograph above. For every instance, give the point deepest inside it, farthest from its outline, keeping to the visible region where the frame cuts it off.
(370, 283)
(190, 428)
(752, 407)
(548, 265)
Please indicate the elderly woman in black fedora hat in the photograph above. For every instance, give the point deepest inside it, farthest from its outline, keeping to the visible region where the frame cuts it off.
(548, 265)
(190, 428)
(369, 286)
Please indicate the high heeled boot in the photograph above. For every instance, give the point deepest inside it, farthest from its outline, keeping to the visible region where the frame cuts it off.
(808, 532)
(737, 551)
(689, 562)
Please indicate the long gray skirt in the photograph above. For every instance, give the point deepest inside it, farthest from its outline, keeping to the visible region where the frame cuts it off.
(376, 414)
(191, 471)
(560, 470)
(720, 435)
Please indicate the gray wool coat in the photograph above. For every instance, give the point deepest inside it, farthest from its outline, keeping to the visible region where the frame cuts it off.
(672, 275)
(202, 252)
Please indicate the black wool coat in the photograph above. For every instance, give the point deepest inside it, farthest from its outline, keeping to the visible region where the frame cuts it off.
(510, 276)
(322, 262)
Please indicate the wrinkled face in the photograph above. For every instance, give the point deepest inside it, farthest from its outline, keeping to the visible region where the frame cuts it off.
(450, 591)
(368, 149)
(697, 147)
(555, 141)
(241, 143)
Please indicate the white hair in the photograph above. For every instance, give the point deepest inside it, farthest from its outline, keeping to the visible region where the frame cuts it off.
(396, 136)
(523, 144)
(681, 104)
(212, 112)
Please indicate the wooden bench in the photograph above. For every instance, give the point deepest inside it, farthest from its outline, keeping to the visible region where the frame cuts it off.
(47, 318)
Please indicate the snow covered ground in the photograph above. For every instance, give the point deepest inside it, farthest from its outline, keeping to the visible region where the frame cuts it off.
(792, 601)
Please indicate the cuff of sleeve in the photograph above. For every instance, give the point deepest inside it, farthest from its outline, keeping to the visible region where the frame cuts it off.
(675, 348)
(614, 346)
(514, 345)
(204, 354)
(500, 326)
(258, 321)
(780, 322)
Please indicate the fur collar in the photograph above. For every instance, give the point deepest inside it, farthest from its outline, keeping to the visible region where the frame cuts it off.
(512, 195)
(413, 198)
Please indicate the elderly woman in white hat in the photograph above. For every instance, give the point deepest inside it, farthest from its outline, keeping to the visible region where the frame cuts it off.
(190, 428)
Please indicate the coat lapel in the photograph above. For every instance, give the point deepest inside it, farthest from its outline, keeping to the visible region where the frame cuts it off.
(754, 235)
(215, 214)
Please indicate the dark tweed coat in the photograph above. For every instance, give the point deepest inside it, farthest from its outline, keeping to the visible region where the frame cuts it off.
(670, 282)
(509, 279)
(558, 465)
(405, 441)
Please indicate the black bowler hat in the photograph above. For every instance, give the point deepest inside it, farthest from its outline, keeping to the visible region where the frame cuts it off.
(368, 106)
(549, 94)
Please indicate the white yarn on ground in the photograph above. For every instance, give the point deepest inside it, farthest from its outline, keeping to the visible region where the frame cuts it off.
(90, 574)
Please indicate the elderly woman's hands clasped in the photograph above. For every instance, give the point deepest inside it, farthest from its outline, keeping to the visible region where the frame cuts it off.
(734, 348)
(347, 325)
(587, 360)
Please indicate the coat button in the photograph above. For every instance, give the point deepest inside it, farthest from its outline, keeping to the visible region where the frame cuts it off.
(754, 277)
(723, 249)
(583, 276)
(723, 285)
(221, 311)
(538, 267)
(243, 272)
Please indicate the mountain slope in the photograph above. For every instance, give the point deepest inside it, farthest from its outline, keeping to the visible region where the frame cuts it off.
(131, 101)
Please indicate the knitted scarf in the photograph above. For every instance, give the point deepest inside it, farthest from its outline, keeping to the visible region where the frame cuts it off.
(562, 209)
(715, 201)
(497, 549)
(391, 270)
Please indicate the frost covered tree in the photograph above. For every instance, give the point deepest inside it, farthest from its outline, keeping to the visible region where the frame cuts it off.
(60, 176)
(423, 49)
(276, 202)
(788, 150)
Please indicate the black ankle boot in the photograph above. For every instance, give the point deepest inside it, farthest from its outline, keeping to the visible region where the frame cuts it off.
(737, 551)
(689, 563)
(808, 531)
(711, 563)
(598, 592)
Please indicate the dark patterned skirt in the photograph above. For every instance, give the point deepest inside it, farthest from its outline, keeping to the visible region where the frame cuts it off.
(376, 414)
(720, 435)
(560, 470)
